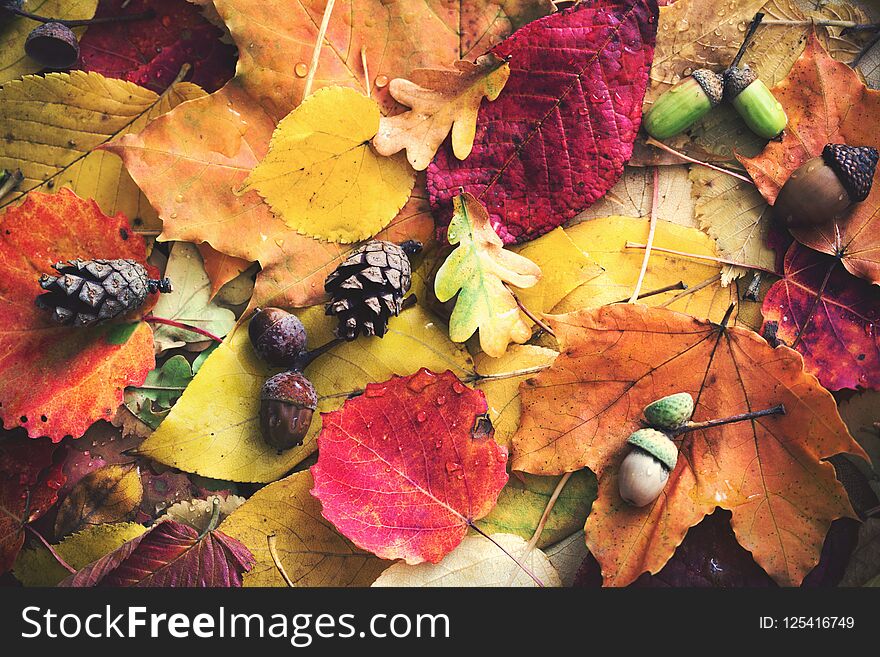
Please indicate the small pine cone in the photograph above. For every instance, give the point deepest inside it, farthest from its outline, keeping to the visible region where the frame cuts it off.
(368, 288)
(88, 292)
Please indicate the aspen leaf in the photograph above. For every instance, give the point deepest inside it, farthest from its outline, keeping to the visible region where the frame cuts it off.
(322, 177)
(477, 271)
(441, 101)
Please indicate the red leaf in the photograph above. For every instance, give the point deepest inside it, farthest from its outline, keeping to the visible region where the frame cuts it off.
(29, 483)
(151, 52)
(836, 324)
(170, 554)
(557, 137)
(58, 380)
(399, 470)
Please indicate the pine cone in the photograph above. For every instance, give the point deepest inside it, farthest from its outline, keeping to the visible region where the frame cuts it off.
(88, 292)
(369, 287)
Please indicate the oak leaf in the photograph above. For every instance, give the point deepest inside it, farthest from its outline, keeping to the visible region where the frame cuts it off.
(769, 473)
(169, 554)
(826, 102)
(111, 494)
(442, 100)
(828, 316)
(559, 135)
(73, 376)
(402, 470)
(477, 561)
(309, 548)
(477, 271)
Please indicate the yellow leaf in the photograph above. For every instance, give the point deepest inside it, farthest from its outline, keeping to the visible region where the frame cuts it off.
(36, 567)
(111, 494)
(563, 266)
(214, 429)
(477, 561)
(322, 177)
(606, 239)
(441, 100)
(309, 548)
(477, 270)
(502, 394)
(53, 126)
(14, 31)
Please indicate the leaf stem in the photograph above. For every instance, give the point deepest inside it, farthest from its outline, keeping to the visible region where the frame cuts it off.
(78, 23)
(367, 84)
(779, 409)
(152, 319)
(51, 549)
(519, 563)
(316, 53)
(659, 144)
(681, 285)
(528, 313)
(847, 25)
(691, 290)
(756, 21)
(652, 226)
(684, 254)
(271, 539)
(815, 305)
(215, 517)
(476, 376)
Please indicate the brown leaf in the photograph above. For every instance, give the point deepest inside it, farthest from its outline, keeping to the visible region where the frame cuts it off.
(111, 494)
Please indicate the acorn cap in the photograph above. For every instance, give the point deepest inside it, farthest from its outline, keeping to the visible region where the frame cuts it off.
(671, 411)
(53, 46)
(292, 388)
(711, 83)
(854, 165)
(657, 444)
(736, 79)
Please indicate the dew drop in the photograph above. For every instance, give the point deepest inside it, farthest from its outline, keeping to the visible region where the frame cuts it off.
(179, 198)
(375, 391)
(458, 387)
(441, 400)
(301, 70)
(583, 111)
(421, 380)
(682, 25)
(452, 467)
(438, 443)
(421, 416)
(381, 81)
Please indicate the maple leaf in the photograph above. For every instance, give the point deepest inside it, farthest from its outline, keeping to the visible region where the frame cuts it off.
(309, 548)
(52, 151)
(828, 316)
(74, 376)
(321, 175)
(441, 100)
(29, 483)
(768, 472)
(477, 271)
(151, 51)
(573, 100)
(111, 494)
(477, 561)
(422, 476)
(169, 554)
(826, 102)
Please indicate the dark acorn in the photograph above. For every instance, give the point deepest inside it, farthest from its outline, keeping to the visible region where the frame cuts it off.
(53, 46)
(278, 337)
(684, 104)
(821, 191)
(287, 402)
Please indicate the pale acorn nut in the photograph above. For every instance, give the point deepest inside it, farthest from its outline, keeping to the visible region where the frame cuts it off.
(645, 470)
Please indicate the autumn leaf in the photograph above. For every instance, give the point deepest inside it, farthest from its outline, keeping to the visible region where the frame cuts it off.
(577, 79)
(37, 567)
(169, 554)
(29, 483)
(150, 52)
(863, 566)
(421, 477)
(54, 124)
(309, 549)
(219, 267)
(477, 561)
(477, 271)
(190, 301)
(861, 413)
(73, 376)
(769, 473)
(214, 429)
(198, 513)
(152, 400)
(821, 311)
(111, 494)
(826, 102)
(442, 100)
(14, 31)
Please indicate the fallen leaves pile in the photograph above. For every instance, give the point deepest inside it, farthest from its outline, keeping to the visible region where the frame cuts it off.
(572, 271)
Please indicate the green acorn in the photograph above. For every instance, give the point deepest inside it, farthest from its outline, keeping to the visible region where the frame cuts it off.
(670, 412)
(750, 97)
(645, 470)
(684, 104)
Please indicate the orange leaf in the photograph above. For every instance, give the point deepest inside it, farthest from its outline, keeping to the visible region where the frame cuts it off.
(826, 103)
(219, 267)
(59, 380)
(768, 472)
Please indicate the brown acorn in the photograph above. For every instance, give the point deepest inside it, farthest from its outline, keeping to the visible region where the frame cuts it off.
(822, 190)
(278, 336)
(53, 46)
(287, 402)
